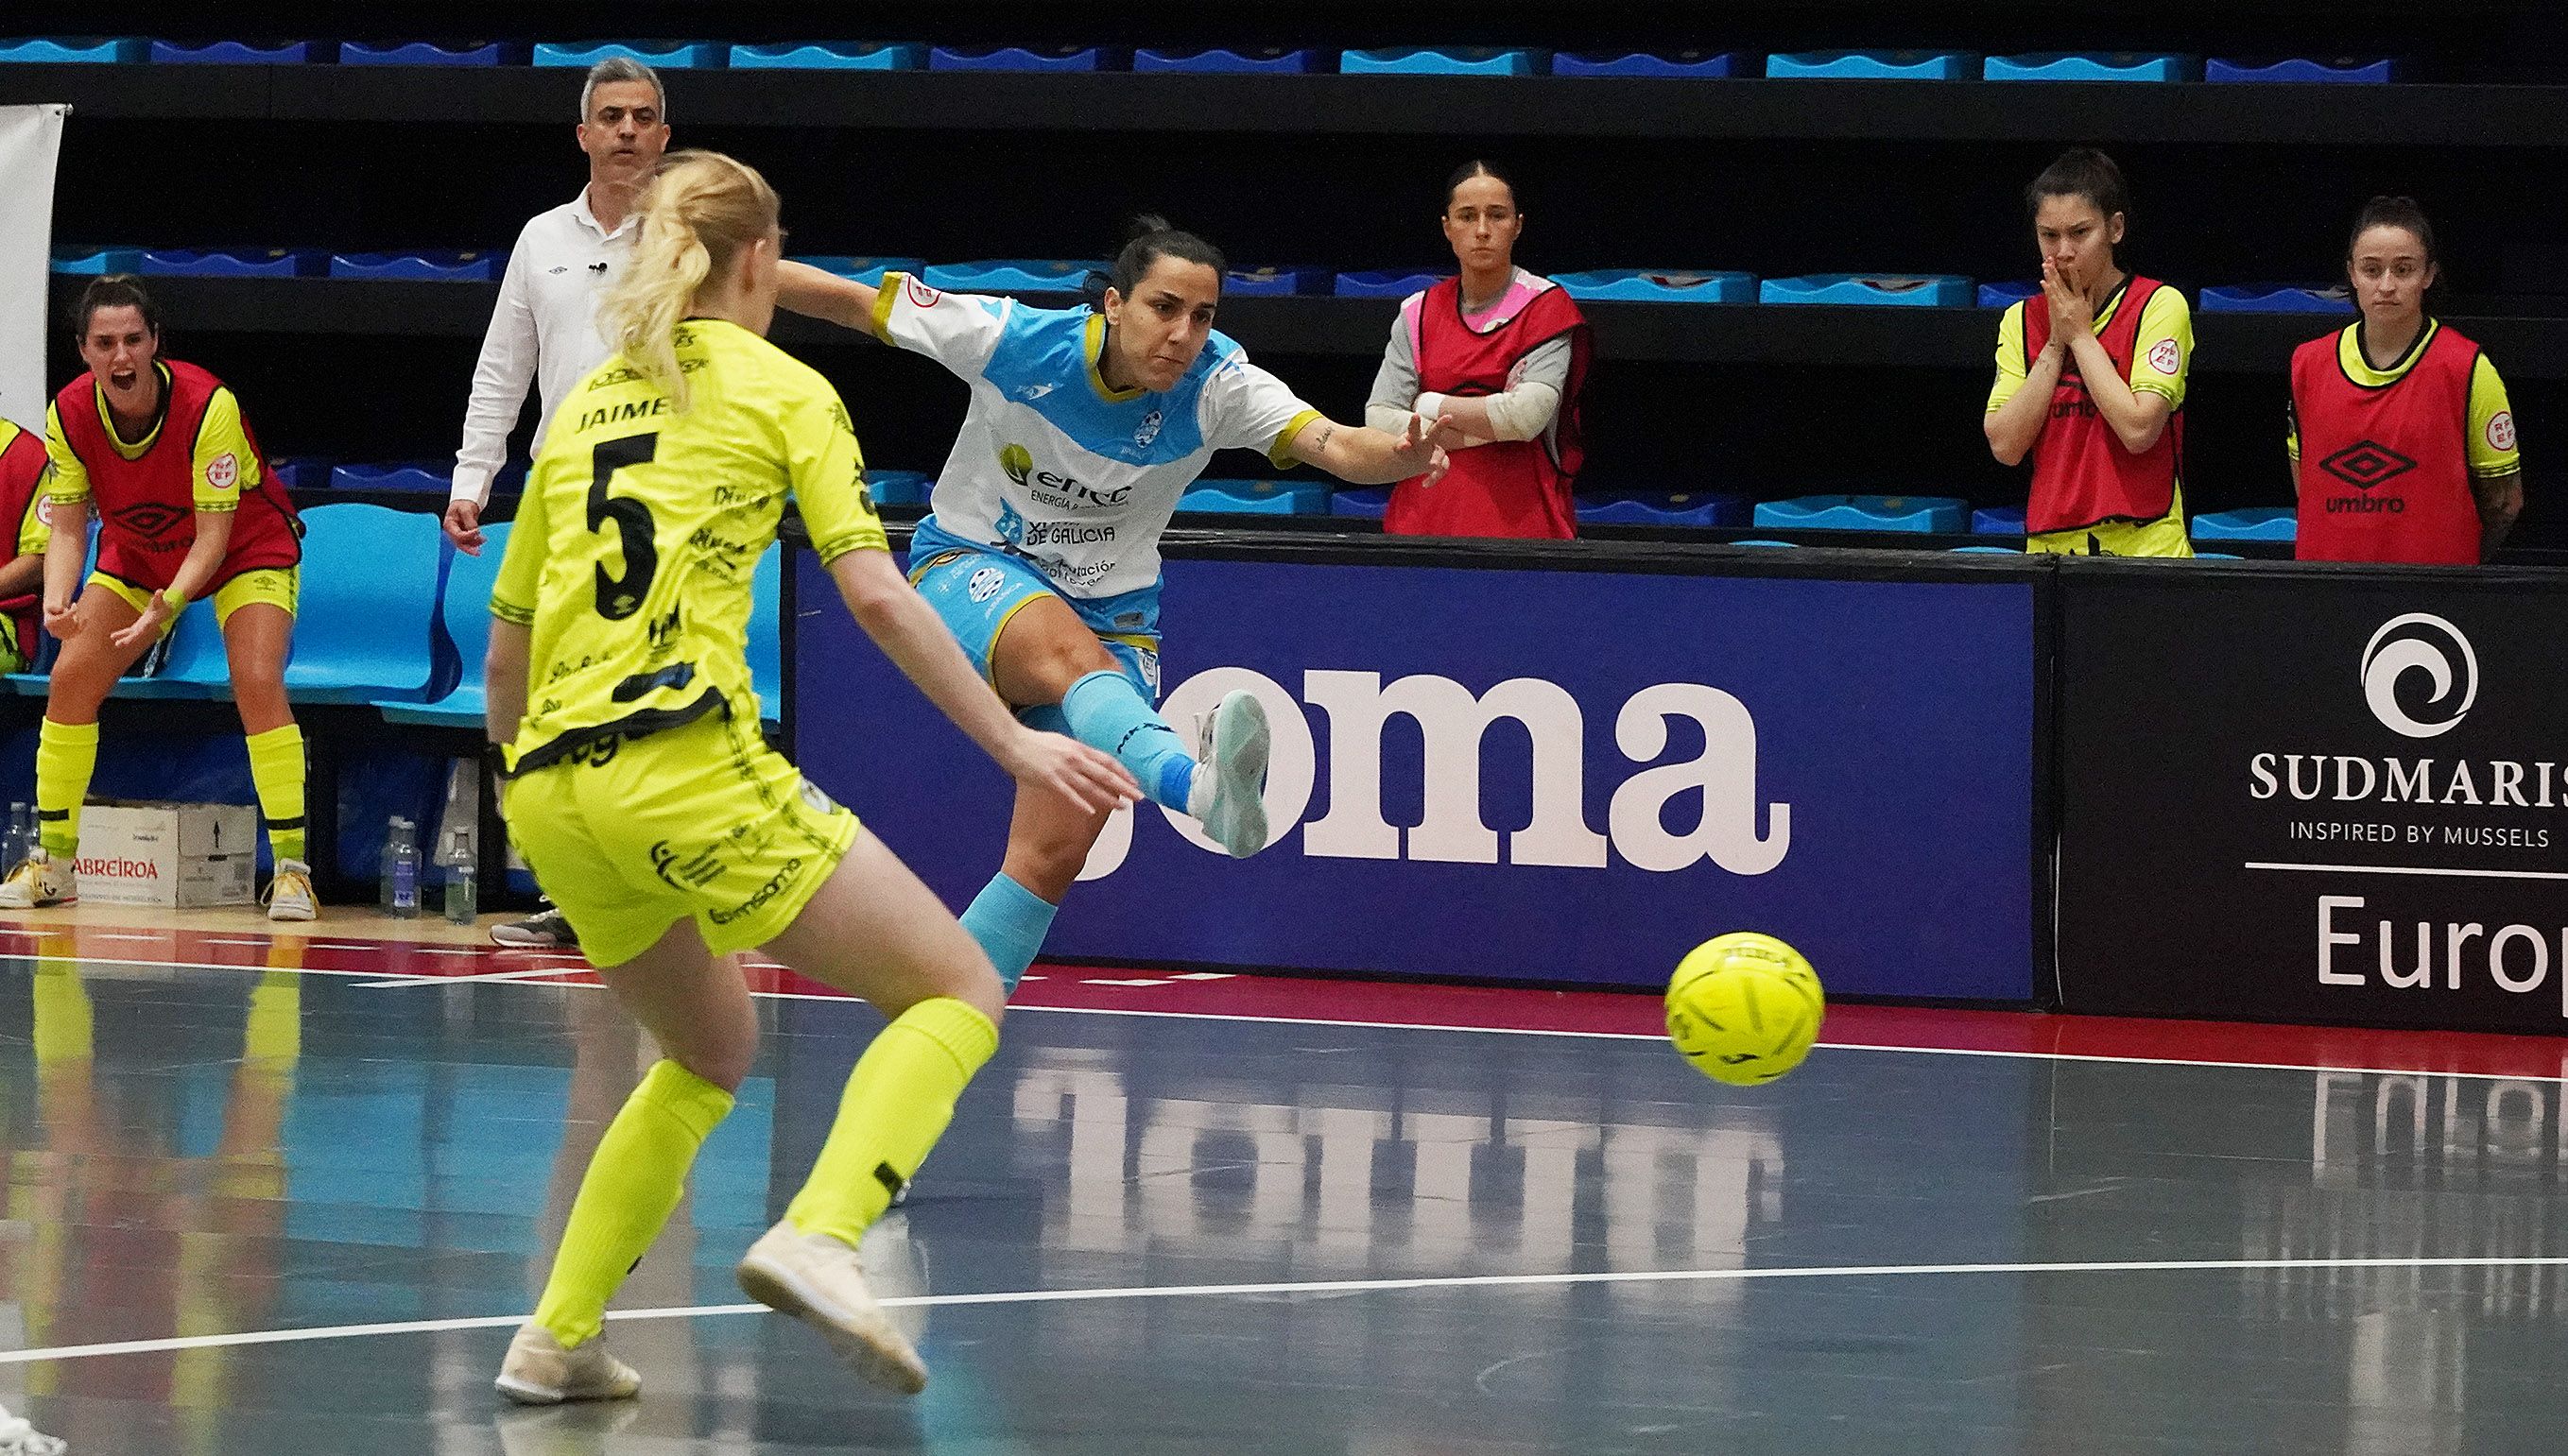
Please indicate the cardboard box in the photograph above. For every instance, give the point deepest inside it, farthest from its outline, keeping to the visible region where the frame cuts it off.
(180, 855)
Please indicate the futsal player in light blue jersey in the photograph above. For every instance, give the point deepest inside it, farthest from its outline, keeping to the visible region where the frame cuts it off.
(1042, 548)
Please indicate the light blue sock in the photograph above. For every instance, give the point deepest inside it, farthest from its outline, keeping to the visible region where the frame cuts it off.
(1105, 711)
(1009, 921)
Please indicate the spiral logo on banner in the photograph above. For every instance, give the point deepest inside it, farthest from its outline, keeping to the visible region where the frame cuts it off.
(2421, 642)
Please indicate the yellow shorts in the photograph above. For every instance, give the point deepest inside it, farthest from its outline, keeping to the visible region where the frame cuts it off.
(2164, 537)
(278, 586)
(629, 834)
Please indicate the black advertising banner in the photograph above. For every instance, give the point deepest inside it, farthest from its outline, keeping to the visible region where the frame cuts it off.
(2314, 794)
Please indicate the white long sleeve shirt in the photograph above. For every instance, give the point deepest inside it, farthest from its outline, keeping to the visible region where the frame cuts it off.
(544, 331)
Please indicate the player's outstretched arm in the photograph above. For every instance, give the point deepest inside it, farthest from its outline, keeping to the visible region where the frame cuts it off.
(1362, 456)
(807, 290)
(909, 632)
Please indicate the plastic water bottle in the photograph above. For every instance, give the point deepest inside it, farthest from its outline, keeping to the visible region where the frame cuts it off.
(391, 837)
(462, 873)
(22, 836)
(404, 866)
(462, 894)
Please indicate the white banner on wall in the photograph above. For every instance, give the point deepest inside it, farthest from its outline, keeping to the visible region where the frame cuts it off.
(30, 138)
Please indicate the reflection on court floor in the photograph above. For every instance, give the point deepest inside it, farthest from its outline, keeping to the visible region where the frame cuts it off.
(280, 1197)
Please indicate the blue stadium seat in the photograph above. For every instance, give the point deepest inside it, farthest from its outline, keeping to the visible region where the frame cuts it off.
(1309, 497)
(465, 608)
(1927, 513)
(194, 666)
(1368, 502)
(767, 633)
(901, 487)
(1666, 508)
(1998, 520)
(1441, 61)
(367, 626)
(2255, 524)
(1212, 499)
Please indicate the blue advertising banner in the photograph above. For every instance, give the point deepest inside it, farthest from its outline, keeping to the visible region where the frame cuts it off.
(1494, 774)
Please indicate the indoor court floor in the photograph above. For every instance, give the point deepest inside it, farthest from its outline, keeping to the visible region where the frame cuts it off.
(289, 1196)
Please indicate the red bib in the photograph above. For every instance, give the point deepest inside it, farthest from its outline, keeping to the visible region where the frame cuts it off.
(148, 507)
(22, 469)
(2385, 469)
(1511, 487)
(2082, 474)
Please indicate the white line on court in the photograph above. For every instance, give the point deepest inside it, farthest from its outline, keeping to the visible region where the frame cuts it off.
(556, 976)
(1314, 1287)
(522, 973)
(2389, 869)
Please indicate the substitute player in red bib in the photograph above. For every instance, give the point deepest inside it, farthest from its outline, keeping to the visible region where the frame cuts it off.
(22, 544)
(186, 510)
(1504, 353)
(2403, 443)
(2091, 379)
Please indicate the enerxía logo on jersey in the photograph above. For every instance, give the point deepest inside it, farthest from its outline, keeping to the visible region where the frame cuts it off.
(2420, 642)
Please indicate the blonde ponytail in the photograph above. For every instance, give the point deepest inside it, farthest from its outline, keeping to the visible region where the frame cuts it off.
(696, 216)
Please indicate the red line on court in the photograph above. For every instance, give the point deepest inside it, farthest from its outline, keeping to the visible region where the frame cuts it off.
(1407, 1004)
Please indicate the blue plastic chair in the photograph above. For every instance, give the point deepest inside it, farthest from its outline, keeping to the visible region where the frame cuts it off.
(901, 487)
(1209, 501)
(465, 610)
(1370, 502)
(767, 633)
(1274, 282)
(93, 261)
(2299, 70)
(2059, 66)
(1998, 520)
(1683, 63)
(1871, 66)
(2276, 298)
(1869, 290)
(667, 56)
(1659, 285)
(192, 665)
(394, 475)
(242, 263)
(84, 52)
(1441, 61)
(417, 53)
(1680, 508)
(1922, 513)
(1380, 283)
(1010, 275)
(1015, 57)
(825, 56)
(1219, 62)
(1309, 497)
(2255, 524)
(367, 626)
(230, 53)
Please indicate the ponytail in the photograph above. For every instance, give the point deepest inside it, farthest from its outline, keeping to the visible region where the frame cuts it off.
(696, 216)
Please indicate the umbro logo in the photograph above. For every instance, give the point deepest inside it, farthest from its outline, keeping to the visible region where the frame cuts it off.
(2367, 464)
(1035, 392)
(558, 268)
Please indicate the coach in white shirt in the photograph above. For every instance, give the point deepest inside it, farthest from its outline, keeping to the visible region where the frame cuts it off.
(545, 328)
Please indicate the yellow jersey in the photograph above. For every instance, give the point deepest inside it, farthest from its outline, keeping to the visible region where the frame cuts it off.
(640, 526)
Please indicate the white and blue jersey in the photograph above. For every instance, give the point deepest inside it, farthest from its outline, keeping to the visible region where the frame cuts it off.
(1051, 466)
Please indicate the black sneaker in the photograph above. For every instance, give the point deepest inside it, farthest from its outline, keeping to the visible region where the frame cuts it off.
(546, 929)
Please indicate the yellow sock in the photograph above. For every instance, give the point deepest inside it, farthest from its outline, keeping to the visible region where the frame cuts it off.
(63, 1016)
(631, 1187)
(277, 767)
(66, 756)
(896, 1105)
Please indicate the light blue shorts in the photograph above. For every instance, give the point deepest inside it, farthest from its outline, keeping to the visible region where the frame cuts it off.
(976, 589)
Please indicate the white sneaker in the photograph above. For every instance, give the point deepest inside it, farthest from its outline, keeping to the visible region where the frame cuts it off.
(17, 1438)
(39, 881)
(1230, 793)
(538, 1371)
(817, 1280)
(290, 895)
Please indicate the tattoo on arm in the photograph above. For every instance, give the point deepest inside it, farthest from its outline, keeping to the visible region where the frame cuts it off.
(2498, 505)
(1320, 443)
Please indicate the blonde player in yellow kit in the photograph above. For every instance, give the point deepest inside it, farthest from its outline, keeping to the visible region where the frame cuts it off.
(668, 832)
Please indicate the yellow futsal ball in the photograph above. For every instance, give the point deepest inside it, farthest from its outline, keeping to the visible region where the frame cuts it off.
(1745, 1009)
